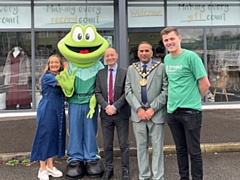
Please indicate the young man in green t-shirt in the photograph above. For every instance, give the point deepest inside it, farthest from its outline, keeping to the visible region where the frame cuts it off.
(188, 83)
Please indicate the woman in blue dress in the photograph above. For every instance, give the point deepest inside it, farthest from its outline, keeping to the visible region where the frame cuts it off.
(50, 136)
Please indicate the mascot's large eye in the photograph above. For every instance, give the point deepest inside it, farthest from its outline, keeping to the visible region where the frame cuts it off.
(89, 34)
(77, 34)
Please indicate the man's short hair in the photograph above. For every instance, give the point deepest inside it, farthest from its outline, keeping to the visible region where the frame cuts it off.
(167, 30)
(145, 42)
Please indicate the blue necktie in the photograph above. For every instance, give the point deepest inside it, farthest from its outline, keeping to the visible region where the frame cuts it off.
(144, 88)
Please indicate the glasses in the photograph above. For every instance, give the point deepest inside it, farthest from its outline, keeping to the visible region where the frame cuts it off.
(144, 50)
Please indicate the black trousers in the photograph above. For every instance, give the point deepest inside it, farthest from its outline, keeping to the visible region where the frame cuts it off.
(185, 125)
(122, 127)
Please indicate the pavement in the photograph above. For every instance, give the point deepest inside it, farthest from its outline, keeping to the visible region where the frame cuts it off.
(216, 166)
(220, 142)
(220, 133)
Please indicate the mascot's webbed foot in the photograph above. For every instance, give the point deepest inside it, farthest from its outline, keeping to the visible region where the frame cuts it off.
(94, 169)
(75, 170)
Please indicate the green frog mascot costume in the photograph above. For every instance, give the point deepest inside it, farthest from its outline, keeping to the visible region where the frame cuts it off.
(83, 47)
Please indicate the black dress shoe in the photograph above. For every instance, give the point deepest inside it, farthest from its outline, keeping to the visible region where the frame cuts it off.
(125, 175)
(107, 175)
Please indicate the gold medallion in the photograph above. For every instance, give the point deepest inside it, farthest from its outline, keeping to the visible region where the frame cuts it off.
(143, 82)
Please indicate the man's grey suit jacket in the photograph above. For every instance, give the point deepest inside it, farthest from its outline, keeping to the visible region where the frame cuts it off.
(156, 92)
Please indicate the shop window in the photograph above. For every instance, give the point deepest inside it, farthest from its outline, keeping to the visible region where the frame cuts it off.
(224, 63)
(64, 14)
(192, 39)
(15, 71)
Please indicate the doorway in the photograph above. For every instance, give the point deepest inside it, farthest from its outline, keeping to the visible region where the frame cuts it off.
(152, 36)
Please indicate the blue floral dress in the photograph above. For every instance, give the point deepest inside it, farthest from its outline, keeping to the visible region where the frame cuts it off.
(50, 136)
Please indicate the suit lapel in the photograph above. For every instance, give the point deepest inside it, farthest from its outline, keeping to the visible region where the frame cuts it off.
(105, 83)
(151, 75)
(135, 74)
(118, 75)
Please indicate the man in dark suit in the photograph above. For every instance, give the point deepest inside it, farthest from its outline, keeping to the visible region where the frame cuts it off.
(115, 112)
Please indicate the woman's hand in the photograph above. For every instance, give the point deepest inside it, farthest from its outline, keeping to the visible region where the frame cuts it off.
(65, 65)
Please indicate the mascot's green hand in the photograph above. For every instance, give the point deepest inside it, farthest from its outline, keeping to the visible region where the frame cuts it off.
(92, 105)
(67, 82)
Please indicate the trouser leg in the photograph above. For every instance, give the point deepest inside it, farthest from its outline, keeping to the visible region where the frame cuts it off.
(141, 135)
(178, 133)
(108, 136)
(122, 127)
(156, 132)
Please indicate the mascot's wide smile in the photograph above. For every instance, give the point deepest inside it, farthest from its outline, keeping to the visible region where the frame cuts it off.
(83, 50)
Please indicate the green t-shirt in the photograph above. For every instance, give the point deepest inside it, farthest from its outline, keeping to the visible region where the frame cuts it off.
(183, 73)
(84, 84)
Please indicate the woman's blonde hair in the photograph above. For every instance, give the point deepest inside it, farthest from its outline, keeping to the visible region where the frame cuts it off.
(47, 68)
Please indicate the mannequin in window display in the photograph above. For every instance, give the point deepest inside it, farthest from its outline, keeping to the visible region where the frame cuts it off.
(17, 72)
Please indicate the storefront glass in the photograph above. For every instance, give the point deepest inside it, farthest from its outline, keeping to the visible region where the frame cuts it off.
(15, 64)
(15, 14)
(145, 14)
(219, 20)
(15, 57)
(64, 14)
(223, 63)
(203, 13)
(15, 35)
(145, 19)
